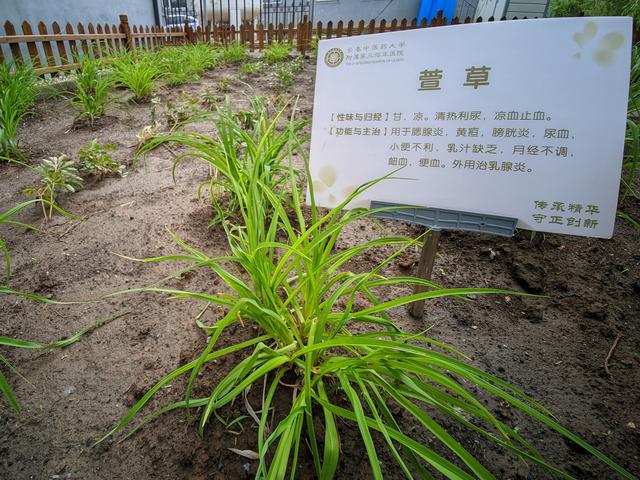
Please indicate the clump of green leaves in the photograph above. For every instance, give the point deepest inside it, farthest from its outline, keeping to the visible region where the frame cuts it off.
(286, 72)
(250, 69)
(17, 96)
(211, 99)
(92, 87)
(327, 333)
(314, 47)
(185, 63)
(136, 73)
(234, 52)
(224, 84)
(276, 53)
(96, 160)
(57, 174)
(182, 112)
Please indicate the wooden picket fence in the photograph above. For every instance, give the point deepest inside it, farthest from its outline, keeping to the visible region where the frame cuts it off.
(55, 50)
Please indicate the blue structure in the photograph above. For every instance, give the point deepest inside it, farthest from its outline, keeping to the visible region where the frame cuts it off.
(429, 9)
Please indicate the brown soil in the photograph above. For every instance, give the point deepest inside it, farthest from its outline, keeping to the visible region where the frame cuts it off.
(554, 348)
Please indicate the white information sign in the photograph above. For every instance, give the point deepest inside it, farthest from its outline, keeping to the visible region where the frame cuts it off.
(523, 119)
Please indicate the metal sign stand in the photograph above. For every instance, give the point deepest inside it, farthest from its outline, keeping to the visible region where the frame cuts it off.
(437, 220)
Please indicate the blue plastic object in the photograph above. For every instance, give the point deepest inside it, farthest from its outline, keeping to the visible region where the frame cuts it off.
(429, 9)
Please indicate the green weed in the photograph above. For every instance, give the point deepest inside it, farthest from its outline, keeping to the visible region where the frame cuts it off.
(96, 160)
(57, 174)
(286, 72)
(250, 69)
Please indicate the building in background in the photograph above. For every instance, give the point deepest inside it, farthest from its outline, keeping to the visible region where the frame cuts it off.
(237, 12)
(140, 12)
(512, 8)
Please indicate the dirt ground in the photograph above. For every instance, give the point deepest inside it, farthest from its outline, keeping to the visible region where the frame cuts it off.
(554, 347)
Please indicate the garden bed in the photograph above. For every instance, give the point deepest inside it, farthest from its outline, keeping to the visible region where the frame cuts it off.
(554, 348)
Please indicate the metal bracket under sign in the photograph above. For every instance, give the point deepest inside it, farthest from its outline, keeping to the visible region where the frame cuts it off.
(440, 219)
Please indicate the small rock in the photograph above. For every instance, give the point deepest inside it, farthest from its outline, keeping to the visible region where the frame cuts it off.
(68, 390)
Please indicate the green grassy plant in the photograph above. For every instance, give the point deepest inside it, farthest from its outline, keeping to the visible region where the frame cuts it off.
(276, 53)
(286, 276)
(92, 88)
(96, 160)
(136, 74)
(238, 152)
(17, 96)
(57, 174)
(186, 63)
(234, 52)
(175, 67)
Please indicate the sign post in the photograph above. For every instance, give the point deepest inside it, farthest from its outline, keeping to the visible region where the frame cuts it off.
(425, 268)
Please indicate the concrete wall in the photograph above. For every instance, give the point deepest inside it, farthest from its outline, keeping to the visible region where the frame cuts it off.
(74, 11)
(490, 8)
(366, 10)
(527, 8)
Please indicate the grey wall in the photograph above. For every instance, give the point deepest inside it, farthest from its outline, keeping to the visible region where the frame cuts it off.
(345, 10)
(74, 11)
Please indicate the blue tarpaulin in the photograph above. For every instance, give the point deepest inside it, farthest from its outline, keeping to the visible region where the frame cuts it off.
(429, 9)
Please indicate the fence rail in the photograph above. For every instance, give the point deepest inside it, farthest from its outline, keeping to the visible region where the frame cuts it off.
(55, 51)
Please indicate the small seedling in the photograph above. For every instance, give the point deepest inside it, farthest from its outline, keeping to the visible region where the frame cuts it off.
(96, 160)
(146, 135)
(211, 99)
(57, 174)
(285, 73)
(223, 85)
(180, 113)
(249, 69)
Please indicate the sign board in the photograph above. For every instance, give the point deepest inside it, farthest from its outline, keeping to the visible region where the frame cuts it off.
(522, 119)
